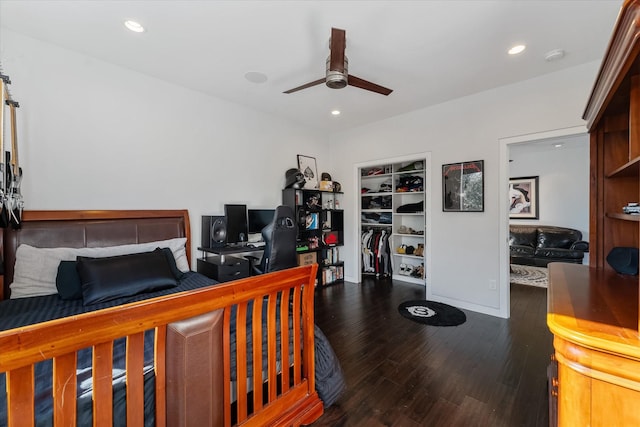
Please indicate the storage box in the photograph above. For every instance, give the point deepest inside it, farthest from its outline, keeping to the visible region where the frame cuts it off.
(307, 258)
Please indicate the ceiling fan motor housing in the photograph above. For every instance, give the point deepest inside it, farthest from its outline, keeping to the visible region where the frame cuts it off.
(336, 79)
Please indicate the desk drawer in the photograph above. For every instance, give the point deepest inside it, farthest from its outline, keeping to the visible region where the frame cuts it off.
(224, 269)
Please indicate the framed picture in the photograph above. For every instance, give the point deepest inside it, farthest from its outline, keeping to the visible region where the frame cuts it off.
(463, 187)
(309, 169)
(523, 198)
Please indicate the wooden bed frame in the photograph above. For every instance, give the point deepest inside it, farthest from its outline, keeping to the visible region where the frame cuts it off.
(289, 396)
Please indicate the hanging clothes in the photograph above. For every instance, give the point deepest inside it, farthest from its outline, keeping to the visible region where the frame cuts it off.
(376, 252)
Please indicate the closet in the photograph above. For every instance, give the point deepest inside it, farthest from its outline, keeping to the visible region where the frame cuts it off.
(393, 214)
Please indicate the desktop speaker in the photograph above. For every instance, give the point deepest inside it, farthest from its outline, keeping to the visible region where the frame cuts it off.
(214, 231)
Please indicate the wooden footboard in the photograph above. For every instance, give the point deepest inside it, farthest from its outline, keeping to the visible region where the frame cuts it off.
(284, 394)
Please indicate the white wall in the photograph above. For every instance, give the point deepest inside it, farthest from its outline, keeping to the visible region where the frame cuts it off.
(563, 180)
(97, 136)
(466, 246)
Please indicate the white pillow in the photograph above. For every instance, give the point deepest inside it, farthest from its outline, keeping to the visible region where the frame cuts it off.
(36, 268)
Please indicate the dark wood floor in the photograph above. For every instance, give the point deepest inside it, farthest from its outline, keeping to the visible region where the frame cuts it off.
(485, 372)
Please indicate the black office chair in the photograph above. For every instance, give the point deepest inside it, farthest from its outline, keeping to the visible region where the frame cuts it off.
(280, 243)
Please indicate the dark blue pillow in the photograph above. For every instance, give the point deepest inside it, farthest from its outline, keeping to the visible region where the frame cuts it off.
(68, 281)
(172, 263)
(70, 287)
(109, 278)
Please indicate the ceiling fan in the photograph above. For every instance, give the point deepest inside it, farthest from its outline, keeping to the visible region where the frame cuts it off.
(337, 75)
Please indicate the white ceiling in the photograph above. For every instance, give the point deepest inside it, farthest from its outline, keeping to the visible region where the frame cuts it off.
(427, 51)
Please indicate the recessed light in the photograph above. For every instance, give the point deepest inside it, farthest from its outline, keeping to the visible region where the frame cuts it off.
(517, 49)
(255, 77)
(134, 26)
(335, 112)
(557, 145)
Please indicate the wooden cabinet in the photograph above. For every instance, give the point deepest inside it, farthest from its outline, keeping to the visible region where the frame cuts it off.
(593, 314)
(592, 310)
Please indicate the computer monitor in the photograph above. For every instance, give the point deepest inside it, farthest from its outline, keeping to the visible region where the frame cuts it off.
(259, 218)
(236, 216)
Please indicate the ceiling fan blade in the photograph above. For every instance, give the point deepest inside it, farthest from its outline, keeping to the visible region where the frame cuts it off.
(306, 85)
(367, 85)
(337, 46)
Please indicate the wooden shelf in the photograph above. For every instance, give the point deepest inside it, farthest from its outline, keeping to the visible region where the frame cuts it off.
(631, 168)
(624, 217)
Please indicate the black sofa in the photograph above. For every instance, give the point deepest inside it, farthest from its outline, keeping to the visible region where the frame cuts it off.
(538, 245)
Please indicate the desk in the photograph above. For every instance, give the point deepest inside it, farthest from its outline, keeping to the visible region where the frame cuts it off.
(223, 266)
(229, 250)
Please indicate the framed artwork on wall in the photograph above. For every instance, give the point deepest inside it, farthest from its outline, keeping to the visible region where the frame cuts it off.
(463, 187)
(523, 198)
(309, 169)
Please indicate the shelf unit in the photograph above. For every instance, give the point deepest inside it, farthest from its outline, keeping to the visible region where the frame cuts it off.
(393, 202)
(594, 311)
(320, 230)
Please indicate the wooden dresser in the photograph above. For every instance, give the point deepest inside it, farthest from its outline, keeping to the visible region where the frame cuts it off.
(592, 310)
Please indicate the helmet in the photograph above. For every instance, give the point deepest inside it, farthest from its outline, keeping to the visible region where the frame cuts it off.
(293, 178)
(325, 177)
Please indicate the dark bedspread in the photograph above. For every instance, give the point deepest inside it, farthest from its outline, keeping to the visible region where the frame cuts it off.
(26, 311)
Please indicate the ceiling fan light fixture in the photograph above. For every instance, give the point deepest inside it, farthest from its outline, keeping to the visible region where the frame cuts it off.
(336, 79)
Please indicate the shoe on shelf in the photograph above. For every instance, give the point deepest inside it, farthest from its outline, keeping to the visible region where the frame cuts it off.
(418, 271)
(406, 230)
(386, 187)
(417, 165)
(402, 249)
(419, 250)
(410, 270)
(402, 267)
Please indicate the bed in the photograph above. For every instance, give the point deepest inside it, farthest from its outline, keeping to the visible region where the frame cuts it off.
(177, 356)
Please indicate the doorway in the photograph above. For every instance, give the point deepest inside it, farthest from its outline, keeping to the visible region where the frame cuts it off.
(560, 160)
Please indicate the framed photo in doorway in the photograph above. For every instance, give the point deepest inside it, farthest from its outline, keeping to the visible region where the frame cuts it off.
(523, 198)
(463, 187)
(309, 169)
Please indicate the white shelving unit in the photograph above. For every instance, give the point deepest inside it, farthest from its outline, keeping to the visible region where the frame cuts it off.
(394, 200)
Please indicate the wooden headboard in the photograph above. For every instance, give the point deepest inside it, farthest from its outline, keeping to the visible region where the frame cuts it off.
(77, 229)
